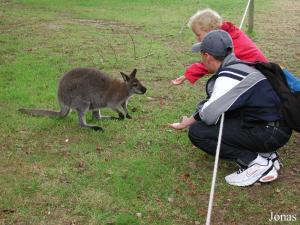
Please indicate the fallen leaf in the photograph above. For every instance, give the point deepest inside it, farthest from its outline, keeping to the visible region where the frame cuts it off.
(201, 212)
(192, 165)
(8, 210)
(150, 98)
(170, 200)
(185, 176)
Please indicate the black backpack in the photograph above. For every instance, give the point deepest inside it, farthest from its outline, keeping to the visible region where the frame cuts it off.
(290, 100)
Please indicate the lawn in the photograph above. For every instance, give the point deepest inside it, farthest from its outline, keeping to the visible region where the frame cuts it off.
(137, 171)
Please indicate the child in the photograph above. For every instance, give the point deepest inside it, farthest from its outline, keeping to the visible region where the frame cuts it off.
(208, 20)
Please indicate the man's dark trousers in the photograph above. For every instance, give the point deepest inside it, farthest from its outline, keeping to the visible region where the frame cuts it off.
(239, 142)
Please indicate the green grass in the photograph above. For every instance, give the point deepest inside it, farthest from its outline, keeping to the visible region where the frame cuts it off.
(53, 172)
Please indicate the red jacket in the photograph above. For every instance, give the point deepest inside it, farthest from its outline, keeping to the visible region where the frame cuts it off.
(244, 49)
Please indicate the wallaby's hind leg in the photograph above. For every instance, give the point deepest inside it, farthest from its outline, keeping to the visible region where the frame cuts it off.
(64, 110)
(82, 122)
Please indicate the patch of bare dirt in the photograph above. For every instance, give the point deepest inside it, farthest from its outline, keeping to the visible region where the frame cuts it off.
(103, 23)
(280, 27)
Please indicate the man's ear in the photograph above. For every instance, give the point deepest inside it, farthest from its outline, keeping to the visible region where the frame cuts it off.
(207, 56)
(125, 77)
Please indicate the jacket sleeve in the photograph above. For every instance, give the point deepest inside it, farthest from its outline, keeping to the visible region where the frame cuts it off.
(195, 72)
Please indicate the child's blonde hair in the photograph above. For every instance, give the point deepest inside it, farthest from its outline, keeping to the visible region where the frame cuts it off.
(206, 19)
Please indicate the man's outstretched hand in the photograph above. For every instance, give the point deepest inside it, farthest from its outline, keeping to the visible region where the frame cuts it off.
(185, 122)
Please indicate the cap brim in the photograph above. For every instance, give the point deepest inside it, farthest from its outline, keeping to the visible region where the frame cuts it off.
(197, 47)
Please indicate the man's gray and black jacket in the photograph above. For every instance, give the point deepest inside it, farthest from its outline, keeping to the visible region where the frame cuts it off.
(239, 89)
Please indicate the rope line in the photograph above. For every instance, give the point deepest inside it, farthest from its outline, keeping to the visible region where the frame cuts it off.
(213, 183)
(245, 13)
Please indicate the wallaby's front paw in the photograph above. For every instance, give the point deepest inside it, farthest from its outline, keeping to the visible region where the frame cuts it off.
(97, 128)
(115, 118)
(121, 116)
(128, 116)
(96, 117)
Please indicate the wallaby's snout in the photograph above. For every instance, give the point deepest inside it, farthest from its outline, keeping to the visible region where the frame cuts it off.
(134, 85)
(138, 88)
(143, 90)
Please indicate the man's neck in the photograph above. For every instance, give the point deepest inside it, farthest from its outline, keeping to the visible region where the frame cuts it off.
(217, 64)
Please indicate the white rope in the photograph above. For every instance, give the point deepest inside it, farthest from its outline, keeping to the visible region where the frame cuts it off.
(213, 182)
(245, 13)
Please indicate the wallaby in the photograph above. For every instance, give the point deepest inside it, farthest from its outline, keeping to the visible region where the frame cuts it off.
(84, 89)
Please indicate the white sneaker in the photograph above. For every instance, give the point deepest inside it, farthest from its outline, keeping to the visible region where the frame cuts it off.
(275, 159)
(255, 172)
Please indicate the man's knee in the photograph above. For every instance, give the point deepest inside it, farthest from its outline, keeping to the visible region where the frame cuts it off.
(201, 136)
(196, 134)
(193, 131)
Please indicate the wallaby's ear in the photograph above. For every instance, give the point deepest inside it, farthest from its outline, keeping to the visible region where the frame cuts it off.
(125, 77)
(133, 73)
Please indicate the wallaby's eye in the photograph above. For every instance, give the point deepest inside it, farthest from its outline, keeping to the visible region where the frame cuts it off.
(135, 84)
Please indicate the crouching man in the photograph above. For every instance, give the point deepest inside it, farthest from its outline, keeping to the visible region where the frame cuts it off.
(253, 127)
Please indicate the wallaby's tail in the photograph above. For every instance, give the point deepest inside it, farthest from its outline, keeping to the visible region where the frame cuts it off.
(44, 112)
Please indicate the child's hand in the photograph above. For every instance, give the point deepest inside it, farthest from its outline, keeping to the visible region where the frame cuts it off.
(178, 80)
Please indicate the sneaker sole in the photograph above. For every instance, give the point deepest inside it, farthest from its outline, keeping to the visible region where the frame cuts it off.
(270, 176)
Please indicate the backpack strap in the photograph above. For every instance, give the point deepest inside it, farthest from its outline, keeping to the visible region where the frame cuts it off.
(241, 62)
